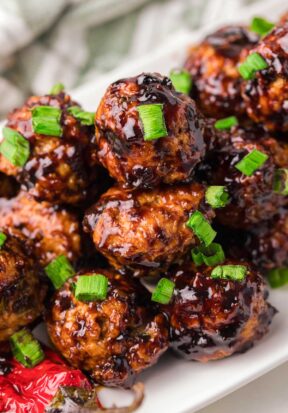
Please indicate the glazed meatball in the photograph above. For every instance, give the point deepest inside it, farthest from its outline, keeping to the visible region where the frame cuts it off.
(113, 339)
(266, 94)
(52, 231)
(145, 231)
(59, 168)
(213, 67)
(252, 198)
(266, 245)
(212, 318)
(22, 290)
(122, 149)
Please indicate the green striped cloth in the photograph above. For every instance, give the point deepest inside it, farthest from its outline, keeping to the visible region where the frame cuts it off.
(73, 41)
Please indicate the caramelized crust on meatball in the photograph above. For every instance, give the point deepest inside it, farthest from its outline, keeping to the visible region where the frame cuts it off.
(266, 245)
(59, 169)
(52, 230)
(145, 230)
(133, 161)
(252, 198)
(213, 67)
(213, 318)
(266, 95)
(113, 339)
(22, 290)
(8, 186)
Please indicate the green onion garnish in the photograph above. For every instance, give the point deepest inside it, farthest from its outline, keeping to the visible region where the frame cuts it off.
(217, 196)
(181, 80)
(211, 255)
(226, 123)
(86, 118)
(278, 277)
(163, 291)
(14, 147)
(26, 349)
(261, 26)
(57, 88)
(3, 238)
(91, 287)
(153, 121)
(251, 162)
(59, 270)
(46, 120)
(230, 272)
(280, 184)
(201, 227)
(253, 63)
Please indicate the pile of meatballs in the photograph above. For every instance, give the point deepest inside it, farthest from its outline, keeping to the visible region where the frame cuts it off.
(117, 204)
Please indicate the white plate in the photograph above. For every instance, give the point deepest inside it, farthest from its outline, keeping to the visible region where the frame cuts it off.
(174, 385)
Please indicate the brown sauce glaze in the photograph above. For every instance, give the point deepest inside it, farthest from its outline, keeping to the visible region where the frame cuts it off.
(213, 67)
(213, 318)
(59, 169)
(112, 340)
(129, 159)
(145, 231)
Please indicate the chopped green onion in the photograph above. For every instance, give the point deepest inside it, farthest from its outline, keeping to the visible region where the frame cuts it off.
(278, 277)
(217, 196)
(226, 123)
(91, 287)
(251, 162)
(46, 120)
(26, 349)
(14, 147)
(153, 121)
(57, 88)
(86, 118)
(181, 80)
(163, 291)
(253, 63)
(211, 255)
(280, 184)
(230, 272)
(3, 238)
(261, 26)
(59, 270)
(202, 228)
(197, 256)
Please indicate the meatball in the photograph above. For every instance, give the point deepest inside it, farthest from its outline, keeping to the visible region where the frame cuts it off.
(52, 231)
(22, 290)
(213, 67)
(266, 94)
(145, 231)
(59, 168)
(113, 339)
(122, 149)
(252, 198)
(212, 318)
(266, 245)
(284, 18)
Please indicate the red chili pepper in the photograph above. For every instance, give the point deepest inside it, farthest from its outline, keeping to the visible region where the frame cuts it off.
(25, 390)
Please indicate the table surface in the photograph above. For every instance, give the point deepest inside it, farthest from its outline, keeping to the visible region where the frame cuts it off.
(268, 394)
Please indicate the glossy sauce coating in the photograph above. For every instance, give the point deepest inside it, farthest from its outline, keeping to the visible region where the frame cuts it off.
(112, 340)
(213, 318)
(145, 230)
(52, 230)
(59, 169)
(131, 160)
(22, 290)
(253, 199)
(213, 67)
(266, 245)
(266, 95)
